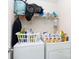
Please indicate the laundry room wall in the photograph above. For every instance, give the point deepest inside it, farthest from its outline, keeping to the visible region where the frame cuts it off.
(65, 16)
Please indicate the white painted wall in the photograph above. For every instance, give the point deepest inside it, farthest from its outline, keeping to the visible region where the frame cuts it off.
(39, 24)
(64, 9)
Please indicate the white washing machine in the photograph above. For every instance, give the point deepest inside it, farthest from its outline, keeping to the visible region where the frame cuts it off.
(29, 50)
(58, 50)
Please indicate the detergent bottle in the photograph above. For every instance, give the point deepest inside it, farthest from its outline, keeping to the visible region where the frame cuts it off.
(65, 38)
(62, 35)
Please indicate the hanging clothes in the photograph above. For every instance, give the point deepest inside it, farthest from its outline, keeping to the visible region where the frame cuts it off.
(15, 28)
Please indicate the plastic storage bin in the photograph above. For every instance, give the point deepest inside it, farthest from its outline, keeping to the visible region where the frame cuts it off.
(28, 37)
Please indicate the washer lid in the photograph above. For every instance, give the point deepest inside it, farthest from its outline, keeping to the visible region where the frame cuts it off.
(28, 44)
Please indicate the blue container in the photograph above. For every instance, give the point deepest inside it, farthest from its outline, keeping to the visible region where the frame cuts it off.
(19, 7)
(55, 14)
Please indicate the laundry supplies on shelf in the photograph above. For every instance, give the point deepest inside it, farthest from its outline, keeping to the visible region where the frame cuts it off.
(31, 36)
(54, 38)
(64, 36)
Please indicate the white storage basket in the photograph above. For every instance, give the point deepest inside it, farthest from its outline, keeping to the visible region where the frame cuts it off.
(28, 37)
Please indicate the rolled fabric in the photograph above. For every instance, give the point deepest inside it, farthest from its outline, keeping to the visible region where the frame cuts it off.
(19, 7)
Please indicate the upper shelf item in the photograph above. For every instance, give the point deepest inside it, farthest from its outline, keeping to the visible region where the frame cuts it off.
(19, 7)
(28, 10)
(52, 15)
